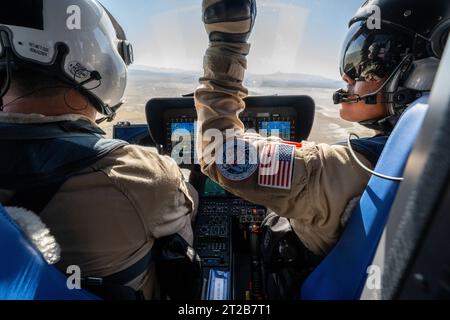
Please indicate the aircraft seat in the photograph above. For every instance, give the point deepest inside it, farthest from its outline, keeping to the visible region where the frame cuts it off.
(343, 273)
(24, 274)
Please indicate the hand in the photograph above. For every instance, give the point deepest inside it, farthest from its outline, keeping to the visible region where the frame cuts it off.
(229, 20)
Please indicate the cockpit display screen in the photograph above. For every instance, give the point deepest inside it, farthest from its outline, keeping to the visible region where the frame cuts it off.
(182, 138)
(182, 132)
(134, 134)
(180, 128)
(212, 189)
(281, 129)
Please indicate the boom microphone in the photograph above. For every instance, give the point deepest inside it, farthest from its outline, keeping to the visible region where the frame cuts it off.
(341, 96)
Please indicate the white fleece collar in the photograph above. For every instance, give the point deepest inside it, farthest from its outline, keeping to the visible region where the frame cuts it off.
(37, 232)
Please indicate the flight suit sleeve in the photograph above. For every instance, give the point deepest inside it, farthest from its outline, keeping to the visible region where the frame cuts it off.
(325, 178)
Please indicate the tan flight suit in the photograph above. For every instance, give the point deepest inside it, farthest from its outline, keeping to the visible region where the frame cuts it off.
(107, 218)
(325, 179)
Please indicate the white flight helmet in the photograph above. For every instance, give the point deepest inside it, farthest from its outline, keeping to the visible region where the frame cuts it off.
(76, 40)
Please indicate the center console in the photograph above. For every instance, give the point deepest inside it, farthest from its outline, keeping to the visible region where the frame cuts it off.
(227, 228)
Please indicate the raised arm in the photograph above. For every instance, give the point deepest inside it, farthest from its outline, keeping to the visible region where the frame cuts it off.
(311, 185)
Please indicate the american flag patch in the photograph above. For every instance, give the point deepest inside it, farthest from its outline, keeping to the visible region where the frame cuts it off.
(276, 166)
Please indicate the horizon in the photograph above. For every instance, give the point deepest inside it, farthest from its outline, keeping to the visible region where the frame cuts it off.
(290, 36)
(193, 72)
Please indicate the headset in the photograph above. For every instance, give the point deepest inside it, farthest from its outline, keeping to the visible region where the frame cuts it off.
(108, 39)
(403, 96)
(8, 67)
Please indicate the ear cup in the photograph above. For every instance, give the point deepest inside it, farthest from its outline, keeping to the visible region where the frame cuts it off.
(4, 42)
(2, 50)
(439, 38)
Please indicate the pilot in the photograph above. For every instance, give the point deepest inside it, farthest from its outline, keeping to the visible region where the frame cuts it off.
(315, 186)
(106, 202)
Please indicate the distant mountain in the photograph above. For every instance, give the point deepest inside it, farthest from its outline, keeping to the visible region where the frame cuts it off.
(170, 75)
(160, 70)
(252, 80)
(291, 80)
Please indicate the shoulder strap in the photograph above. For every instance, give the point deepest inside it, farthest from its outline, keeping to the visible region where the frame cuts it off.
(131, 273)
(114, 287)
(41, 154)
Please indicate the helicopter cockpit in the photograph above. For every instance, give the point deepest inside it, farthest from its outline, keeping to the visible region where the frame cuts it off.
(388, 246)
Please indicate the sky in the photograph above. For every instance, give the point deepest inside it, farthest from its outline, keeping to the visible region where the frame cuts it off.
(290, 36)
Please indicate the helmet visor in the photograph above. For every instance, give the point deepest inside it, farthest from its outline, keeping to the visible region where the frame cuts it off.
(370, 55)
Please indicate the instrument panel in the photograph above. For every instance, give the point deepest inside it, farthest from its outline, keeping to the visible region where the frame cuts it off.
(180, 130)
(225, 224)
(293, 116)
(227, 228)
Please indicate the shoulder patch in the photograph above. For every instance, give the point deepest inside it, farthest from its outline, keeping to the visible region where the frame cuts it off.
(276, 166)
(240, 161)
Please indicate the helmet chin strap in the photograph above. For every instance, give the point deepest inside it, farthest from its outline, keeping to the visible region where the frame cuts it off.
(385, 125)
(112, 112)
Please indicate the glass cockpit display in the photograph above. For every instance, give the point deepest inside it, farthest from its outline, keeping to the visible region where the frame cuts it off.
(184, 130)
(280, 129)
(182, 141)
(175, 127)
(212, 189)
(133, 134)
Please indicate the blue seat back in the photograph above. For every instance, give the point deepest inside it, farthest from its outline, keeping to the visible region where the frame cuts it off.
(24, 274)
(342, 275)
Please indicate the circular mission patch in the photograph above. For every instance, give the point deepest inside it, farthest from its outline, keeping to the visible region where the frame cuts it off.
(244, 164)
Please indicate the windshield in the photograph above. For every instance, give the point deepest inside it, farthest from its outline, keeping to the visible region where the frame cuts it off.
(296, 46)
